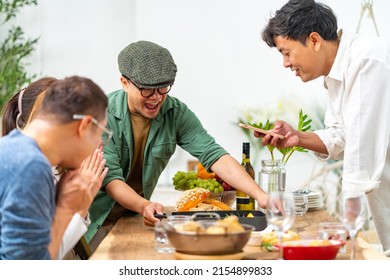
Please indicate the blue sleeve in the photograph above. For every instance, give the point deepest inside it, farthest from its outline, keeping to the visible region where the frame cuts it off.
(27, 214)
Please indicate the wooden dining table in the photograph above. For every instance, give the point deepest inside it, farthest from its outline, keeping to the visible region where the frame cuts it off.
(130, 239)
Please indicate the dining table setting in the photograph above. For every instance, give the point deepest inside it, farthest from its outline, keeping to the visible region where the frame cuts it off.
(130, 239)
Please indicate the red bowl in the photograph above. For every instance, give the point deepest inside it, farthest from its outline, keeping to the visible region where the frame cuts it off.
(306, 250)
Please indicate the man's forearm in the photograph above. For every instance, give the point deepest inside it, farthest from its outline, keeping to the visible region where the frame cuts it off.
(311, 141)
(126, 196)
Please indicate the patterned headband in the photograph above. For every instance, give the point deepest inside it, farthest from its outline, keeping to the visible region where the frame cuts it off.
(19, 107)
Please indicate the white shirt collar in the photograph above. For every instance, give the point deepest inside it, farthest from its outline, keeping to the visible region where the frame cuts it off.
(339, 64)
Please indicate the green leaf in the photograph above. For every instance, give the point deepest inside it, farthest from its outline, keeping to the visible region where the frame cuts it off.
(14, 49)
(10, 8)
(268, 125)
(303, 125)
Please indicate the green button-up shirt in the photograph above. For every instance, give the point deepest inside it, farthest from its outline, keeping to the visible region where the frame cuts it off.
(174, 125)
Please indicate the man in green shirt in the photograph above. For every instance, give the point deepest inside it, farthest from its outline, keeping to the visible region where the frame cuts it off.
(147, 124)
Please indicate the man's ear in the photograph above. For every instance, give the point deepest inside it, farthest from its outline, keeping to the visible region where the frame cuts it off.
(315, 40)
(84, 125)
(125, 83)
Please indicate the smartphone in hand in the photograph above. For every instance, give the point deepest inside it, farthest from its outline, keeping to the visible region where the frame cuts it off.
(269, 132)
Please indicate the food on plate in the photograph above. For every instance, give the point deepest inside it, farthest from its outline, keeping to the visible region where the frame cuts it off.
(270, 239)
(181, 179)
(202, 172)
(320, 242)
(189, 180)
(191, 198)
(229, 197)
(226, 187)
(250, 215)
(217, 205)
(204, 206)
(314, 243)
(198, 200)
(200, 178)
(190, 226)
(229, 224)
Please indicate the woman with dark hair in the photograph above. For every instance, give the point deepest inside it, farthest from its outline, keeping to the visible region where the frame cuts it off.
(17, 110)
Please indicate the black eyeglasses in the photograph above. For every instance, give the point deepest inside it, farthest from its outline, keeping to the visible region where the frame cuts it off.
(148, 92)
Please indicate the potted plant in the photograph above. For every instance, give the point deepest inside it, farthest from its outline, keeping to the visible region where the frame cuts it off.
(273, 172)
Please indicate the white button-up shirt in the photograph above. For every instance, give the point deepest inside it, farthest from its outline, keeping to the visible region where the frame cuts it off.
(358, 115)
(358, 123)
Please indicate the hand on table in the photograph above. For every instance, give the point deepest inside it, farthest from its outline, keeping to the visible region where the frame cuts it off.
(149, 211)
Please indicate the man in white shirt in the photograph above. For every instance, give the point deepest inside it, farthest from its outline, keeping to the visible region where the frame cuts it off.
(357, 77)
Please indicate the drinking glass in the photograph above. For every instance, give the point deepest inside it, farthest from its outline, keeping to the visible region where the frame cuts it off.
(333, 231)
(301, 203)
(280, 214)
(161, 240)
(353, 214)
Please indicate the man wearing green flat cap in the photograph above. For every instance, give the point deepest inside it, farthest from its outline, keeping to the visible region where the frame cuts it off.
(147, 124)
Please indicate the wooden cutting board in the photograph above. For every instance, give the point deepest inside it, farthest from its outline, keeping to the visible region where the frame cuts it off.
(235, 256)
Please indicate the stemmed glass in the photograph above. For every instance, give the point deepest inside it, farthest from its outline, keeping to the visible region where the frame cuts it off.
(353, 214)
(280, 214)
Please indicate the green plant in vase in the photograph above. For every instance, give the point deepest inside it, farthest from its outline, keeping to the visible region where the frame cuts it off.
(304, 124)
(273, 174)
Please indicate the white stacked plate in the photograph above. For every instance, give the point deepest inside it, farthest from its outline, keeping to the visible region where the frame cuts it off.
(315, 200)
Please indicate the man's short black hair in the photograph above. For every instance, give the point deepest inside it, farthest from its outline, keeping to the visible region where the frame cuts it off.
(297, 19)
(74, 95)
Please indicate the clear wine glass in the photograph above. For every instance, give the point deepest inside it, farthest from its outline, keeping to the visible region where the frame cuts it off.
(353, 214)
(280, 214)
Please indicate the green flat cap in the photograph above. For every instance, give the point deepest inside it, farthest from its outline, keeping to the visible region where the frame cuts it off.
(147, 64)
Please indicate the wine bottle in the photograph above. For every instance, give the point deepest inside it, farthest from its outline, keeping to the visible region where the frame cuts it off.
(244, 201)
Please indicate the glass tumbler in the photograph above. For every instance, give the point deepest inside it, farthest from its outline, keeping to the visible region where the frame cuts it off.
(161, 240)
(301, 204)
(333, 231)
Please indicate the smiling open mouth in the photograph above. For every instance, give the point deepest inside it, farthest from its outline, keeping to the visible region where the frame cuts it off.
(151, 106)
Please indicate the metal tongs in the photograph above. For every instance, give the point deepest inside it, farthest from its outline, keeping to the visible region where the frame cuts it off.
(160, 216)
(195, 216)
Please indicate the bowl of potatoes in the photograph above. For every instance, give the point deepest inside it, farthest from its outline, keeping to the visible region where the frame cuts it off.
(210, 237)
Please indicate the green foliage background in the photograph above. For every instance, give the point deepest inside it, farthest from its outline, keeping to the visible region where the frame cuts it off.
(14, 48)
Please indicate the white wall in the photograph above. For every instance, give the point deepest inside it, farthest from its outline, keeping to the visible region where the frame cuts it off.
(223, 65)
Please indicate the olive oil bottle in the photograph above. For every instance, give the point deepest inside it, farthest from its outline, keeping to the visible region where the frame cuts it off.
(244, 201)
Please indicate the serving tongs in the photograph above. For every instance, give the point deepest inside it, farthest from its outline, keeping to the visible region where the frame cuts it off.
(160, 216)
(195, 216)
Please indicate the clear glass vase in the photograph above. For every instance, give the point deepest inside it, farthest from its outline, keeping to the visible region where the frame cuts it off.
(283, 175)
(272, 176)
